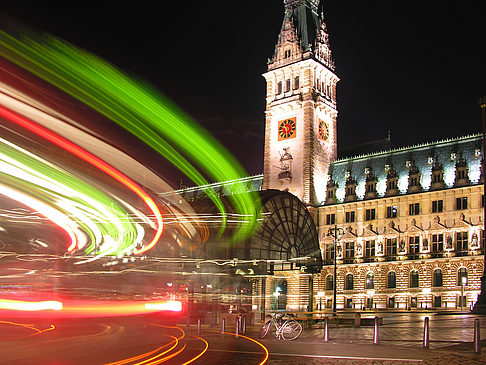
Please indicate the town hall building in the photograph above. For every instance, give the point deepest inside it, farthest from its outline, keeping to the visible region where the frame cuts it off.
(396, 228)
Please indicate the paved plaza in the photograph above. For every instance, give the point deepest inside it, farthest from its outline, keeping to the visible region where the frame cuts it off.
(400, 337)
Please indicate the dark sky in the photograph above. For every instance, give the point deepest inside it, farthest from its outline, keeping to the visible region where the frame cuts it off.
(416, 67)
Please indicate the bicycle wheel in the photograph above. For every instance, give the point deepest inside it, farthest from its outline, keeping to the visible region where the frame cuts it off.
(292, 329)
(265, 329)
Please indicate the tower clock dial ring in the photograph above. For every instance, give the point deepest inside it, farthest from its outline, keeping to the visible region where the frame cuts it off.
(323, 130)
(286, 129)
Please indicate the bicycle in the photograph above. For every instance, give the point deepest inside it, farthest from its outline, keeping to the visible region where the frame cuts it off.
(288, 330)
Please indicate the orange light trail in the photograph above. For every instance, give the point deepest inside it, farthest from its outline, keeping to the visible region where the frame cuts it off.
(28, 326)
(93, 160)
(251, 339)
(20, 305)
(199, 355)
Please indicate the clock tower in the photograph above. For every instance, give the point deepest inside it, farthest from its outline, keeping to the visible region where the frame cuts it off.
(301, 113)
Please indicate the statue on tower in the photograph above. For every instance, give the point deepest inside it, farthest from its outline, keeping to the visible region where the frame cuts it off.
(285, 165)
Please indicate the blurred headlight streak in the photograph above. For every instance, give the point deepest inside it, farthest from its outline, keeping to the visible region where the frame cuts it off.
(171, 305)
(139, 109)
(19, 305)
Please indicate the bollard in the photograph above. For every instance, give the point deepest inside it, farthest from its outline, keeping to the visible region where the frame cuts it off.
(357, 319)
(237, 326)
(223, 325)
(426, 342)
(199, 326)
(376, 336)
(243, 325)
(477, 337)
(326, 329)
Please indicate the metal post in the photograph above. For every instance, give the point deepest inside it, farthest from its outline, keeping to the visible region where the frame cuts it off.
(477, 337)
(326, 329)
(223, 325)
(376, 337)
(426, 342)
(199, 326)
(237, 326)
(243, 325)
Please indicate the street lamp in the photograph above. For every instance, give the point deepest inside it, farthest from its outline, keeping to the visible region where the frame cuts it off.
(480, 306)
(335, 232)
(320, 295)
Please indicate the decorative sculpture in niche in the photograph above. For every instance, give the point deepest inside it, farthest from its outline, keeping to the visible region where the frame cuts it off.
(285, 165)
(474, 240)
(402, 246)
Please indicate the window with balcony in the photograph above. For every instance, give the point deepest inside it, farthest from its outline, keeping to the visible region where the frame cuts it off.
(391, 247)
(437, 243)
(413, 245)
(349, 250)
(330, 251)
(461, 241)
(369, 249)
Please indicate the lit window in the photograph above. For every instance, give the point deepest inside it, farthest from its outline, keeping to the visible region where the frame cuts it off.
(391, 212)
(370, 281)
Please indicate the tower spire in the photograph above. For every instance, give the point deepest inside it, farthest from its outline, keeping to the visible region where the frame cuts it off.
(303, 35)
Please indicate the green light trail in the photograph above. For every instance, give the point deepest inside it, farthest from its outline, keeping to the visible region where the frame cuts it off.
(108, 226)
(140, 110)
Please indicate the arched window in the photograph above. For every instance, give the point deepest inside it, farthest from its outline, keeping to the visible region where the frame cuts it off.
(330, 282)
(414, 279)
(462, 276)
(370, 281)
(349, 284)
(437, 279)
(391, 280)
(287, 85)
(279, 87)
(296, 82)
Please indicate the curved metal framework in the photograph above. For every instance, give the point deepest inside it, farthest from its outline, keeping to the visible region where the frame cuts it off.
(287, 232)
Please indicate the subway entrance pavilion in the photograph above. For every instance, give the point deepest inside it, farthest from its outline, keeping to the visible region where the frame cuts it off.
(383, 229)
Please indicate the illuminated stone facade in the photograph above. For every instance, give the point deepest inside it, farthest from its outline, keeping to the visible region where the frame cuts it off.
(411, 223)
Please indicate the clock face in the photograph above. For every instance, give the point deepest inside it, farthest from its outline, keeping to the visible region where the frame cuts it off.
(286, 129)
(323, 130)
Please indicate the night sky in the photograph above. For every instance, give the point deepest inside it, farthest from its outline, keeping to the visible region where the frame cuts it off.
(416, 68)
